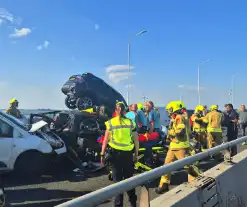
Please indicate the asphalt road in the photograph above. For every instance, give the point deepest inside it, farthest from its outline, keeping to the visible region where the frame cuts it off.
(61, 185)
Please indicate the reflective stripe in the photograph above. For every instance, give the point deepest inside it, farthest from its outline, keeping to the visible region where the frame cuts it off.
(112, 128)
(120, 127)
(211, 129)
(118, 144)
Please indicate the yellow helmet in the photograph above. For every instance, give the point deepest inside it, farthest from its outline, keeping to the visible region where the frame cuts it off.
(181, 103)
(199, 108)
(173, 107)
(13, 100)
(140, 106)
(213, 107)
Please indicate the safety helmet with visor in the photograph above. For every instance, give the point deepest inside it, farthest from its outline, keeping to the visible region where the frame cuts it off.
(173, 107)
(214, 107)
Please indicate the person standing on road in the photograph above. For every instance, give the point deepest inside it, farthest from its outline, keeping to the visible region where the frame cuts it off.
(213, 119)
(142, 120)
(153, 117)
(232, 128)
(122, 139)
(199, 128)
(242, 119)
(179, 145)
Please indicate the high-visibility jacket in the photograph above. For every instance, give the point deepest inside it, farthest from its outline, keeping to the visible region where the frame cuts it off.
(178, 133)
(197, 127)
(120, 133)
(213, 119)
(187, 122)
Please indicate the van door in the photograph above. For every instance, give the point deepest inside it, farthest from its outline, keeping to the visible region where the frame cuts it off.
(6, 142)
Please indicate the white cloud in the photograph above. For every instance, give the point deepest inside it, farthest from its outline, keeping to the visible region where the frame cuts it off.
(21, 32)
(190, 87)
(5, 16)
(96, 26)
(45, 45)
(39, 47)
(119, 76)
(117, 73)
(114, 68)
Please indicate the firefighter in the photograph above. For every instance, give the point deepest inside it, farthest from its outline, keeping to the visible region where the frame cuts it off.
(199, 128)
(13, 108)
(179, 145)
(214, 131)
(186, 116)
(122, 139)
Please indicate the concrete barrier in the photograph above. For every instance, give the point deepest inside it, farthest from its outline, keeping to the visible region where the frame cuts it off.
(223, 185)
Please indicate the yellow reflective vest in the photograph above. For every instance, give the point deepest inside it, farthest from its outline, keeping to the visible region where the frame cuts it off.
(213, 119)
(197, 127)
(179, 133)
(120, 133)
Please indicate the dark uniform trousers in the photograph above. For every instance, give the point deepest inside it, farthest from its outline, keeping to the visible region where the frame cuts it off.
(232, 134)
(122, 167)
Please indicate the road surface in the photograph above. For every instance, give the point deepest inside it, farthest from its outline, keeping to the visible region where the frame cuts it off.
(60, 186)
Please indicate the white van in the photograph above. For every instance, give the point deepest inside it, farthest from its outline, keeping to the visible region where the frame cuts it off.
(25, 148)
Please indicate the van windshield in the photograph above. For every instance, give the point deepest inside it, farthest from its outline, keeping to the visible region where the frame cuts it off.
(14, 121)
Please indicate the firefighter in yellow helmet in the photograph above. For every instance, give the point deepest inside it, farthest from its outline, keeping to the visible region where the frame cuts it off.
(179, 145)
(122, 140)
(214, 131)
(13, 108)
(199, 127)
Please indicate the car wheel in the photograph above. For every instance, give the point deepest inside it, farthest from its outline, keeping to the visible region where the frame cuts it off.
(30, 163)
(2, 198)
(70, 104)
(84, 103)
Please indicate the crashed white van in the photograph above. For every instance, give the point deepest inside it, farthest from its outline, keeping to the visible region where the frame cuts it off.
(27, 148)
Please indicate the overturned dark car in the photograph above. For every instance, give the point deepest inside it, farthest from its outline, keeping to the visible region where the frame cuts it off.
(86, 90)
(80, 132)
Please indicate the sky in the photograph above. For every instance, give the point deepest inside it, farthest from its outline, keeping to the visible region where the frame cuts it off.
(44, 42)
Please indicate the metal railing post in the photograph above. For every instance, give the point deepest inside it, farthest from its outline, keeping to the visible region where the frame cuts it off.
(144, 196)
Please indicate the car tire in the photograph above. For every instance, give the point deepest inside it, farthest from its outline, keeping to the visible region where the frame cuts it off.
(30, 163)
(84, 103)
(69, 104)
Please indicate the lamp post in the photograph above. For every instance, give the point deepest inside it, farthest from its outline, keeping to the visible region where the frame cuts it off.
(198, 80)
(181, 93)
(144, 98)
(128, 92)
(232, 89)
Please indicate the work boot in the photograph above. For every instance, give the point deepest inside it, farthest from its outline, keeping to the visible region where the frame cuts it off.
(132, 204)
(163, 189)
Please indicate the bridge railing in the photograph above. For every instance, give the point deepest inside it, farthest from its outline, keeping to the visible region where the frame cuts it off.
(97, 197)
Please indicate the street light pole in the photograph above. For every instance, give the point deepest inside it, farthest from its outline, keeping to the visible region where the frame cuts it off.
(232, 94)
(128, 86)
(144, 98)
(129, 67)
(198, 84)
(198, 80)
(181, 92)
